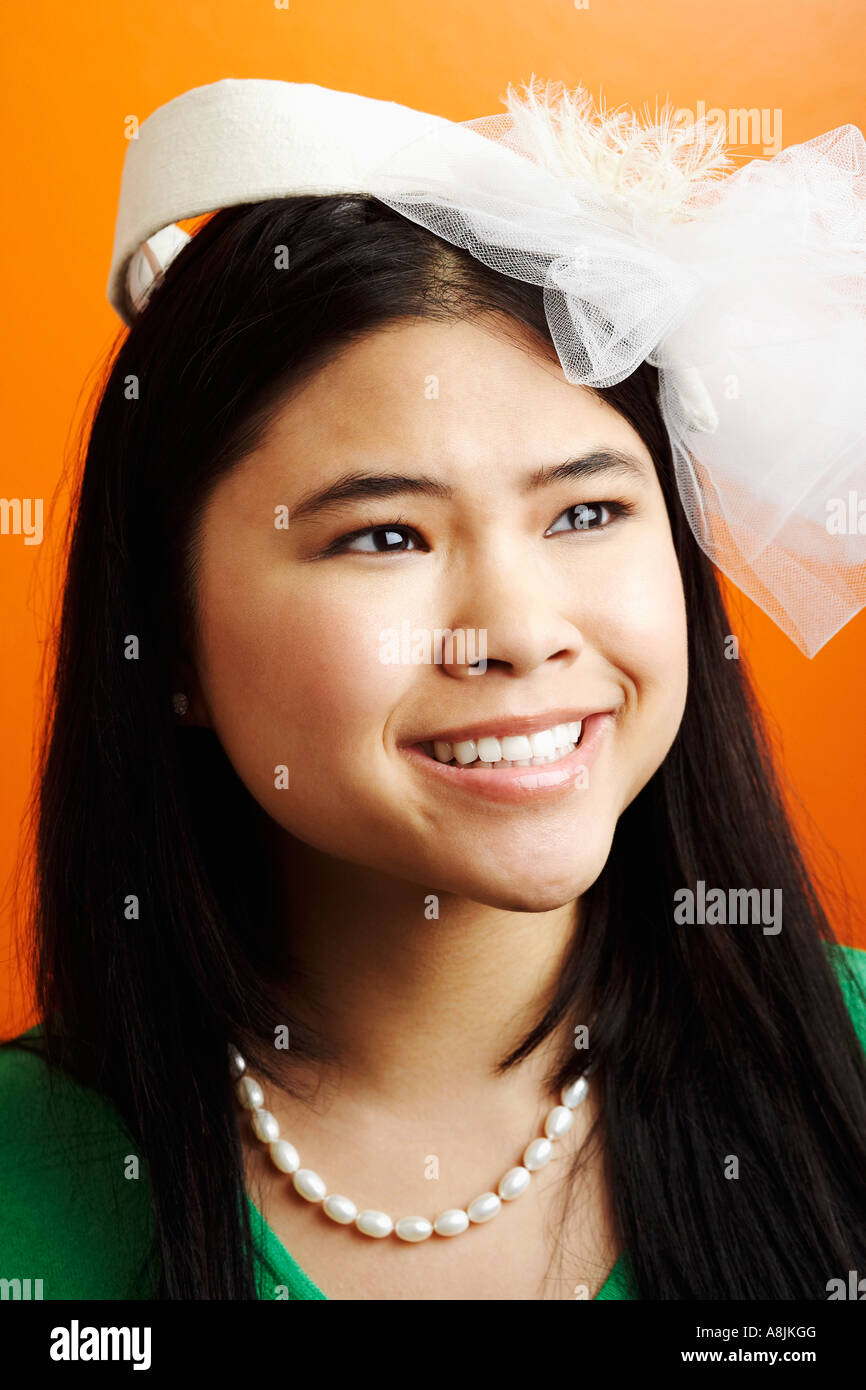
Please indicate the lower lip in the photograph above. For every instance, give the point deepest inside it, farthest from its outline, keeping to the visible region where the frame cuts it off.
(521, 784)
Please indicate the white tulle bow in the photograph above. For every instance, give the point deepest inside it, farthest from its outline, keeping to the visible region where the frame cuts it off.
(747, 291)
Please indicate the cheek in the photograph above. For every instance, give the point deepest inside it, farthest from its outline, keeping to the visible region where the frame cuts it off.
(285, 672)
(646, 611)
(646, 638)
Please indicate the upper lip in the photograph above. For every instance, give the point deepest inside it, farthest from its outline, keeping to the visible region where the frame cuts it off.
(507, 725)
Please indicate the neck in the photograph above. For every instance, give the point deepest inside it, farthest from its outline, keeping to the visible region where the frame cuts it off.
(413, 1002)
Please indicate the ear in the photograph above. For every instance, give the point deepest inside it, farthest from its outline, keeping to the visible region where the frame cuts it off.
(186, 682)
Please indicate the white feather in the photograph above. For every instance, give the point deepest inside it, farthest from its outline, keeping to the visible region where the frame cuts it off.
(654, 167)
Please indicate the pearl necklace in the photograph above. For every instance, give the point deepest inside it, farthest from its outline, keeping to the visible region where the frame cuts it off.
(452, 1222)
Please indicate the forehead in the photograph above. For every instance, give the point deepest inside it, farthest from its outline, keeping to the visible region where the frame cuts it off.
(458, 392)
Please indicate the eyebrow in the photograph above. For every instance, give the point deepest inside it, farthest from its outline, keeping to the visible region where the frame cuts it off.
(359, 486)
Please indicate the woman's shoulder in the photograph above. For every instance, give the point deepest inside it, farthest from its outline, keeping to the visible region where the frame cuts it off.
(75, 1213)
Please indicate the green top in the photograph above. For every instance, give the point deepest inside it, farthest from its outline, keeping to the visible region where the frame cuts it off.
(76, 1215)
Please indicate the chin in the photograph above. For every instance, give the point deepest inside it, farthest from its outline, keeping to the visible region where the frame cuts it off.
(533, 890)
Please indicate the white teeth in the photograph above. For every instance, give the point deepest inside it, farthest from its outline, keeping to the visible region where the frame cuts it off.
(542, 743)
(489, 749)
(513, 750)
(465, 752)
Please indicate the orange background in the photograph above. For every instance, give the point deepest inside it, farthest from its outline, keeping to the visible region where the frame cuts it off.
(71, 76)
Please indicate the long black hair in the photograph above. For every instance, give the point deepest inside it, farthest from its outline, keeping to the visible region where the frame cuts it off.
(152, 952)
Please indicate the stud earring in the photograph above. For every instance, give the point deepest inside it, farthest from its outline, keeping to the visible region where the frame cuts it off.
(180, 702)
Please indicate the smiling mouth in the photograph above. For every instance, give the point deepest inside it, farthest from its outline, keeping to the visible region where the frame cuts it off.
(538, 749)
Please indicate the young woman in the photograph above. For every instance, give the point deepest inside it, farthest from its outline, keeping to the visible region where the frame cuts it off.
(308, 897)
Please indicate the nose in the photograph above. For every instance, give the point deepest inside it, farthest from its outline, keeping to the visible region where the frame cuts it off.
(518, 611)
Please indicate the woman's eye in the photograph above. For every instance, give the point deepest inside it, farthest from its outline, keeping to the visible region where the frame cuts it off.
(588, 516)
(398, 538)
(386, 539)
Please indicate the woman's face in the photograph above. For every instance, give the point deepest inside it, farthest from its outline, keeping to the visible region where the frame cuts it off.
(566, 585)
